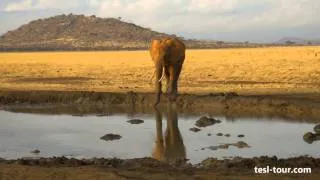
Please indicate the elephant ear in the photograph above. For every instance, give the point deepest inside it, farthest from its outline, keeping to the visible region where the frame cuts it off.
(154, 49)
(159, 47)
(155, 44)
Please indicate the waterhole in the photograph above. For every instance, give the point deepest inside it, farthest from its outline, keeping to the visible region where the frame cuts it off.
(164, 135)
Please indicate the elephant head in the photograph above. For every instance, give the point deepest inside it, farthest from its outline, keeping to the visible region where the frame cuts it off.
(168, 55)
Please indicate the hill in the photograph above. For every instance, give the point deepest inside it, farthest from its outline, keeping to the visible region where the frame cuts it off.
(67, 32)
(79, 32)
(298, 41)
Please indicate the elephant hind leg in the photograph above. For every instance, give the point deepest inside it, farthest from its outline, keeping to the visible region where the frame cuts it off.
(179, 65)
(172, 82)
(175, 77)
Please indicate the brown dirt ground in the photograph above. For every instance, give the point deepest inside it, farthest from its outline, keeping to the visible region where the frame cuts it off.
(262, 82)
(146, 168)
(301, 107)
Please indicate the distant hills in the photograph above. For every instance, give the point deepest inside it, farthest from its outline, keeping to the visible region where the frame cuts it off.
(79, 32)
(294, 40)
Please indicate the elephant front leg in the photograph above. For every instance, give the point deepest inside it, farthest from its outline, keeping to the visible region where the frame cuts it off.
(158, 84)
(167, 73)
(159, 125)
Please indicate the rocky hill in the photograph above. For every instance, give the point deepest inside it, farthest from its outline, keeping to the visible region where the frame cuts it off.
(79, 32)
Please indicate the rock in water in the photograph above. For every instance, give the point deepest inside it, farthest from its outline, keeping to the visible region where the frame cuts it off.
(240, 135)
(36, 151)
(241, 144)
(219, 134)
(135, 121)
(111, 137)
(309, 137)
(194, 129)
(317, 129)
(205, 121)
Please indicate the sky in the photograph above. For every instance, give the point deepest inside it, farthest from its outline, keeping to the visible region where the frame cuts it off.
(227, 20)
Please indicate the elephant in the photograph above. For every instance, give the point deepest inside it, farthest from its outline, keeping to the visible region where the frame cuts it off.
(168, 55)
(169, 147)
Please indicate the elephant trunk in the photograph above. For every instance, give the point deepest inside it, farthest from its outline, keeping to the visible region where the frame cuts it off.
(158, 85)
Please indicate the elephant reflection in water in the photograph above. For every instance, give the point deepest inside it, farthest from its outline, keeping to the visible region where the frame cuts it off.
(169, 148)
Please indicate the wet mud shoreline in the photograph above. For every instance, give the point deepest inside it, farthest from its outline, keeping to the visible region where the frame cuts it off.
(147, 168)
(303, 107)
(295, 107)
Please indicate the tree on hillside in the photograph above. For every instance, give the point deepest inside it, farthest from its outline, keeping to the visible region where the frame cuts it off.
(220, 43)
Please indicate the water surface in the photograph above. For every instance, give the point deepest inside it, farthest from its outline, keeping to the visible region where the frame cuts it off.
(163, 135)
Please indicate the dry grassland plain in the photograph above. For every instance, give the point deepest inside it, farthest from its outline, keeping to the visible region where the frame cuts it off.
(245, 71)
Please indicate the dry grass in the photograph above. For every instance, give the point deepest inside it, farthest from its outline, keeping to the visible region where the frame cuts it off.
(248, 71)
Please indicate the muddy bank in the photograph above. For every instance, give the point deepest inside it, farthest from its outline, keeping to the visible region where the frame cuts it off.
(298, 107)
(147, 168)
(209, 163)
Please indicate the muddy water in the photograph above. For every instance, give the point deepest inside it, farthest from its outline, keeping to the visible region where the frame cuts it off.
(164, 135)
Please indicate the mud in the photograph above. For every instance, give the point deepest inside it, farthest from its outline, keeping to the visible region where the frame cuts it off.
(205, 121)
(147, 168)
(219, 134)
(111, 137)
(135, 121)
(310, 137)
(194, 129)
(53, 80)
(229, 135)
(239, 144)
(317, 128)
(36, 151)
(299, 107)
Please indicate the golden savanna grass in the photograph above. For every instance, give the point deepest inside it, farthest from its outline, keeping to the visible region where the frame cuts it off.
(247, 71)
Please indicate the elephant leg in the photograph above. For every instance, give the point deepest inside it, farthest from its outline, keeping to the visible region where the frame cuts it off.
(167, 73)
(158, 85)
(158, 149)
(172, 79)
(172, 122)
(159, 125)
(174, 89)
(178, 68)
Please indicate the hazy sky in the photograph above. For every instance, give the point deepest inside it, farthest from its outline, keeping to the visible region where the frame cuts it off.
(230, 20)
